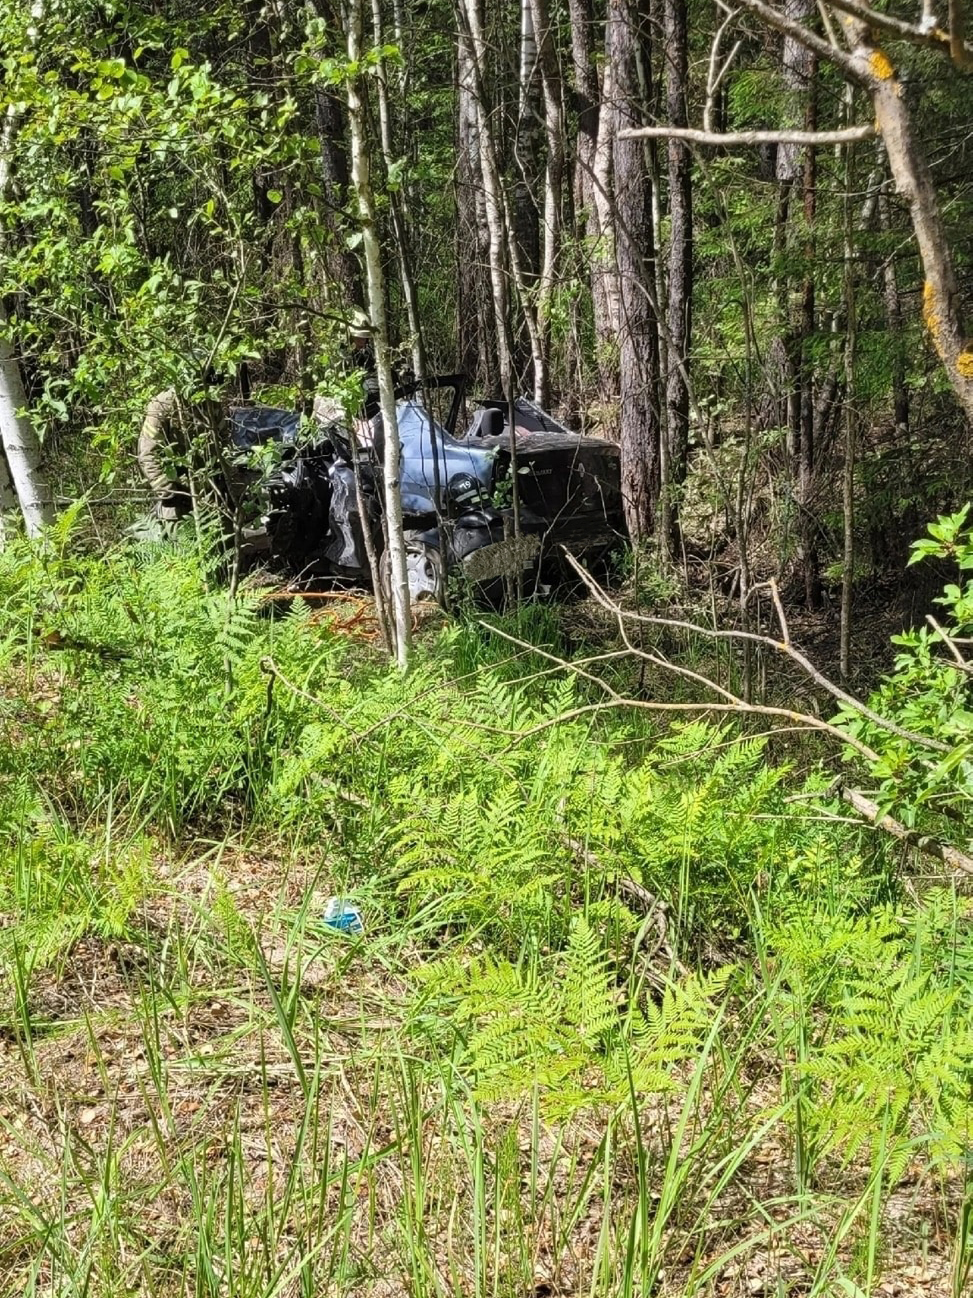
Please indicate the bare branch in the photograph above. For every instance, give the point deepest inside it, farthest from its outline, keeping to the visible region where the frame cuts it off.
(933, 37)
(781, 646)
(950, 856)
(949, 642)
(616, 700)
(810, 40)
(735, 139)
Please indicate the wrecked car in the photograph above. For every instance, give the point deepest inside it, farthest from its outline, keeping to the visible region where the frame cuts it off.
(457, 492)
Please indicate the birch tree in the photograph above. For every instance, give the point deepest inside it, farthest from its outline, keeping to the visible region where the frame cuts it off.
(20, 443)
(375, 289)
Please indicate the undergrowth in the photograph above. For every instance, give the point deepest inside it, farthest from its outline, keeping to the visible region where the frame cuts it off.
(610, 969)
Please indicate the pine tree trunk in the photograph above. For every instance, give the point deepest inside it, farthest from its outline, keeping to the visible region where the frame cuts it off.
(639, 417)
(680, 286)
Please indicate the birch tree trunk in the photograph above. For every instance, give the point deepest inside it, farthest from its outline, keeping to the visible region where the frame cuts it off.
(604, 263)
(400, 226)
(8, 500)
(21, 446)
(375, 282)
(527, 146)
(477, 327)
(18, 437)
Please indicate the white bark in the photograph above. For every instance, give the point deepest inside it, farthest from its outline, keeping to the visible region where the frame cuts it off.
(18, 437)
(8, 501)
(361, 181)
(490, 173)
(20, 443)
(602, 189)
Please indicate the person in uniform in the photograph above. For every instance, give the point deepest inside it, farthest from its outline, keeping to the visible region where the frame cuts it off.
(163, 456)
(361, 356)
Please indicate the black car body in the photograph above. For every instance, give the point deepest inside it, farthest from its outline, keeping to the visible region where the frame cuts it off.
(456, 493)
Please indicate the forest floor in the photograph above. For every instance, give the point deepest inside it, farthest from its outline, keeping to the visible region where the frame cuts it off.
(168, 1103)
(514, 1083)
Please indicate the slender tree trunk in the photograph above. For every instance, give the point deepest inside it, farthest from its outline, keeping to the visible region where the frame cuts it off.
(361, 179)
(527, 147)
(493, 200)
(504, 252)
(850, 421)
(400, 225)
(893, 317)
(638, 339)
(477, 329)
(588, 233)
(680, 295)
(808, 526)
(331, 115)
(797, 299)
(605, 283)
(18, 437)
(553, 186)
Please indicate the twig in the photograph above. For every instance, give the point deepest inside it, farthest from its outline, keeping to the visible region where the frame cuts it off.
(949, 642)
(947, 43)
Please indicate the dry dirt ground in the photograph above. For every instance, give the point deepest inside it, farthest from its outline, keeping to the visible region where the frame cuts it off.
(157, 1101)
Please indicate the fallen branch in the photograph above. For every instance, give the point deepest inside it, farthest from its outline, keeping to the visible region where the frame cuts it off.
(950, 856)
(740, 139)
(752, 637)
(727, 703)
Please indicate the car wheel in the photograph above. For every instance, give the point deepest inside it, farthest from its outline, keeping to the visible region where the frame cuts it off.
(424, 570)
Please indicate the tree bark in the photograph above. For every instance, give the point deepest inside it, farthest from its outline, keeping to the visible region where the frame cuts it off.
(527, 146)
(18, 438)
(941, 303)
(604, 260)
(553, 185)
(639, 416)
(680, 268)
(331, 116)
(477, 327)
(361, 179)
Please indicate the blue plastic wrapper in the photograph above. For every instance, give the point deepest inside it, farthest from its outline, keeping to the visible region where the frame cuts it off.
(342, 916)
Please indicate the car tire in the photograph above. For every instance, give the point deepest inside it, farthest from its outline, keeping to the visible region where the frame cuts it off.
(424, 566)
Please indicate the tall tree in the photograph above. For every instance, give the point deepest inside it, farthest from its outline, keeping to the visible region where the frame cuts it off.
(361, 171)
(680, 265)
(626, 42)
(18, 437)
